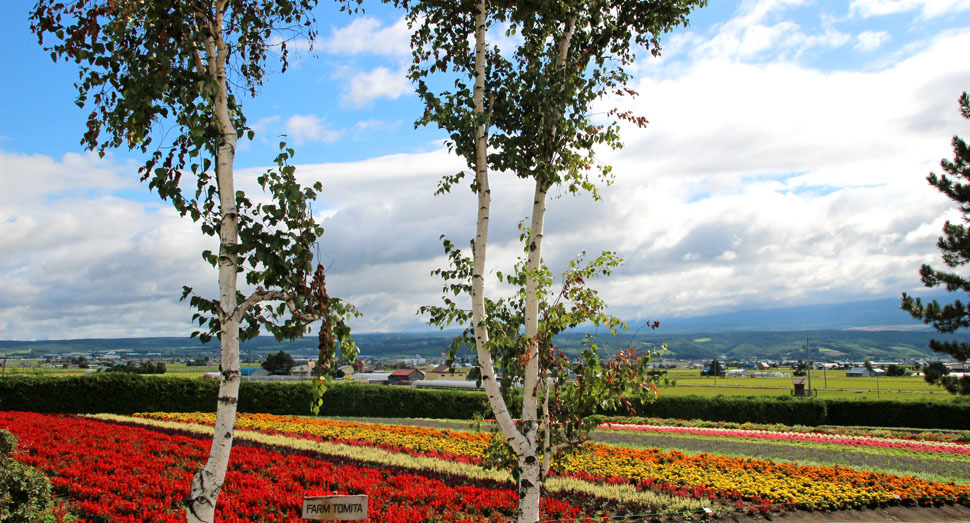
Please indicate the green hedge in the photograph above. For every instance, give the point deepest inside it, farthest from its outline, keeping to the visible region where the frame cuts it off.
(120, 393)
(402, 402)
(128, 393)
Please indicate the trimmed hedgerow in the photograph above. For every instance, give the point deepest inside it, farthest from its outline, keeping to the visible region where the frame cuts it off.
(129, 393)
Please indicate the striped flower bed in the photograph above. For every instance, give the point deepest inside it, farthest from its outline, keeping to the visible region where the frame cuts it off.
(467, 447)
(118, 473)
(817, 437)
(701, 476)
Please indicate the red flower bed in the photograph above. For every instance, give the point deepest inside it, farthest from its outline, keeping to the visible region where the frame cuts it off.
(120, 473)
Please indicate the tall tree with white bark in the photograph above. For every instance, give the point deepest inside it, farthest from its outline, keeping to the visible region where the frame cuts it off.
(528, 112)
(173, 70)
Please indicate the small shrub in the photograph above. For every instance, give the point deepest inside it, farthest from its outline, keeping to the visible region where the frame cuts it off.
(25, 493)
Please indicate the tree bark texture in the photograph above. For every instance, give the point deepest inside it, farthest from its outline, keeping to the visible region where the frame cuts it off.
(487, 368)
(207, 483)
(530, 468)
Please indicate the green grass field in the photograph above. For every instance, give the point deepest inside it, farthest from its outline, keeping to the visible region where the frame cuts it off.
(828, 384)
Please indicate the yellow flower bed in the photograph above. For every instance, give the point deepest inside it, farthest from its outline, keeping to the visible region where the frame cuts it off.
(418, 439)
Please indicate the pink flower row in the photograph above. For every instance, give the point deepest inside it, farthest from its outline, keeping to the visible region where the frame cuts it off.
(840, 439)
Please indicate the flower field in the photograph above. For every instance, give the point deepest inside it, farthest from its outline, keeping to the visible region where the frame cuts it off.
(938, 457)
(718, 478)
(117, 468)
(446, 444)
(118, 473)
(842, 439)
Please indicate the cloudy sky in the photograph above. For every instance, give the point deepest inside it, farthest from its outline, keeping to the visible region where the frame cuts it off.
(784, 164)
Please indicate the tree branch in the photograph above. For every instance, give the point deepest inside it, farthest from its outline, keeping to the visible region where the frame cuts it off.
(261, 295)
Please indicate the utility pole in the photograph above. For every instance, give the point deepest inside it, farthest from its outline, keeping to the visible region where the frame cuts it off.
(808, 356)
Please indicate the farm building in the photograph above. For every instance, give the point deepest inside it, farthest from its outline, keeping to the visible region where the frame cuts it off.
(862, 372)
(253, 372)
(446, 384)
(404, 377)
(304, 370)
(772, 374)
(441, 372)
(374, 378)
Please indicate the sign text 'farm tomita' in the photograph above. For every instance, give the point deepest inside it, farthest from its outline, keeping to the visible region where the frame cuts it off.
(335, 508)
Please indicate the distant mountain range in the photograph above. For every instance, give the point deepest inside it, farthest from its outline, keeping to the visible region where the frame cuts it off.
(875, 329)
(880, 314)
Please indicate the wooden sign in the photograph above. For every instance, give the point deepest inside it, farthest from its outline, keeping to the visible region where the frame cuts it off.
(335, 508)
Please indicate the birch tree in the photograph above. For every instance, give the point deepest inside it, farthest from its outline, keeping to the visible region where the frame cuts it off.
(173, 71)
(528, 112)
(571, 391)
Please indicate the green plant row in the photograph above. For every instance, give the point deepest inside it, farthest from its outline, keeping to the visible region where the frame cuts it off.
(129, 393)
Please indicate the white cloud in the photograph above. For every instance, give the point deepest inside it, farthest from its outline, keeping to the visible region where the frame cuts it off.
(94, 266)
(365, 87)
(372, 125)
(871, 40)
(758, 32)
(927, 8)
(367, 35)
(32, 178)
(759, 181)
(778, 184)
(310, 128)
(264, 124)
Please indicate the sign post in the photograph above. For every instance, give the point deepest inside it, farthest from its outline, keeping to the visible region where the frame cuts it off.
(335, 508)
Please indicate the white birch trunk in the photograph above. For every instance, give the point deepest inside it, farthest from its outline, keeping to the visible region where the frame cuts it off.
(530, 468)
(499, 409)
(207, 483)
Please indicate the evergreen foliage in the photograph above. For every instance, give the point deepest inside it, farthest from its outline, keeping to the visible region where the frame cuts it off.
(145, 367)
(955, 247)
(714, 368)
(934, 371)
(894, 370)
(279, 363)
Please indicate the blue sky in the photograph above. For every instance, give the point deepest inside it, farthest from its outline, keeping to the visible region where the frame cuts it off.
(784, 164)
